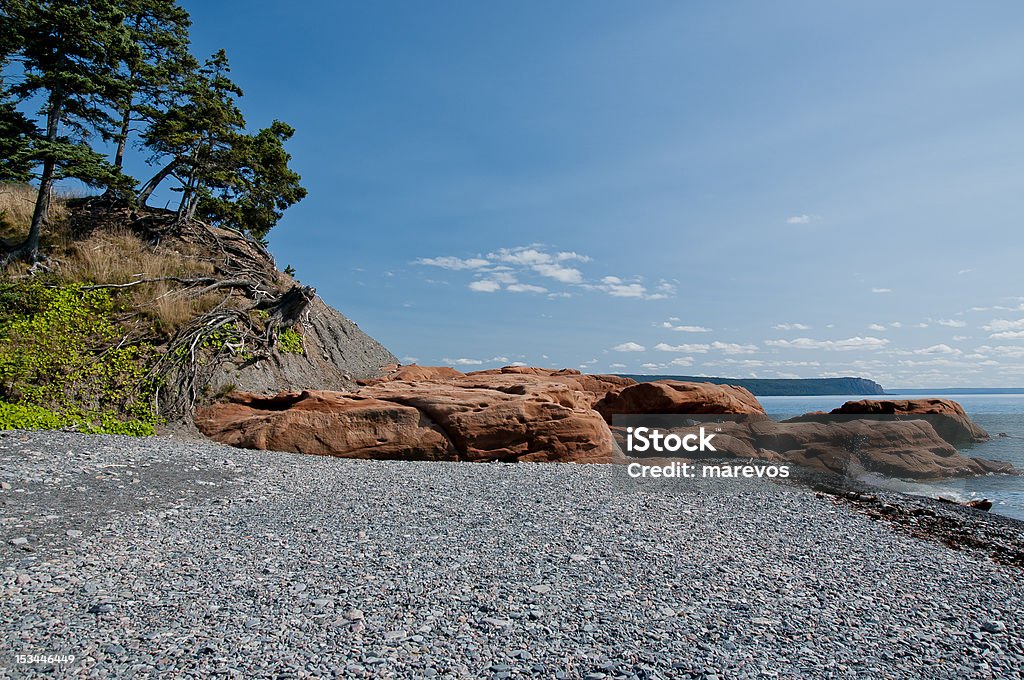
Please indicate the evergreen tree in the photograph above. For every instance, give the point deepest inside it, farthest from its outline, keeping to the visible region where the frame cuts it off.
(70, 51)
(157, 56)
(15, 128)
(260, 185)
(194, 136)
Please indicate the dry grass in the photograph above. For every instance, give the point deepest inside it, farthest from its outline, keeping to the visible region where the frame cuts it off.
(112, 256)
(17, 202)
(122, 257)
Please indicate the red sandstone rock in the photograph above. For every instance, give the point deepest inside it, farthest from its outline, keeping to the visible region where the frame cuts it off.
(947, 417)
(673, 396)
(413, 373)
(470, 418)
(325, 423)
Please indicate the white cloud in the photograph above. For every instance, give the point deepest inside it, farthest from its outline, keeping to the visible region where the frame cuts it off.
(865, 343)
(952, 323)
(652, 367)
(616, 365)
(876, 327)
(685, 329)
(518, 363)
(938, 349)
(687, 348)
(791, 327)
(733, 348)
(800, 219)
(629, 347)
(896, 324)
(617, 287)
(462, 361)
(485, 286)
(525, 288)
(409, 360)
(1008, 335)
(881, 290)
(559, 272)
(965, 271)
(1004, 325)
(682, 361)
(453, 262)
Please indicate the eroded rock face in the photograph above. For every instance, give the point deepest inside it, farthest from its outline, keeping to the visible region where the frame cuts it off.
(947, 417)
(673, 396)
(475, 418)
(325, 423)
(910, 449)
(532, 414)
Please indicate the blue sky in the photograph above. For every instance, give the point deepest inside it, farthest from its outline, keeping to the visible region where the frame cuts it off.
(789, 189)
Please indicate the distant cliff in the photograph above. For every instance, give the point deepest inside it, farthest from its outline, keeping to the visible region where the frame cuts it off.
(780, 387)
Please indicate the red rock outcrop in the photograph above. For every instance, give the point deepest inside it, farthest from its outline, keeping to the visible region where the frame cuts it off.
(325, 423)
(413, 373)
(673, 396)
(947, 417)
(532, 414)
(475, 418)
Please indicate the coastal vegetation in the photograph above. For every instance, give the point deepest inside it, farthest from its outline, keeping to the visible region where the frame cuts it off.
(113, 313)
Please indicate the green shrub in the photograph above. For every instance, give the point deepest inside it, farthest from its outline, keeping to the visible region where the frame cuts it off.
(66, 362)
(290, 342)
(31, 417)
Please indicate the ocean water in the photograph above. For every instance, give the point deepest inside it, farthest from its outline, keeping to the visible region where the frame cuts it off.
(997, 413)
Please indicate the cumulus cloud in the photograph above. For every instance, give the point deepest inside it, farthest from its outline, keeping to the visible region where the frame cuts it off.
(629, 347)
(525, 288)
(800, 219)
(937, 349)
(617, 287)
(616, 366)
(559, 272)
(1008, 335)
(791, 327)
(997, 325)
(881, 290)
(855, 343)
(462, 361)
(485, 286)
(683, 328)
(511, 269)
(681, 361)
(952, 323)
(876, 327)
(686, 348)
(448, 262)
(733, 348)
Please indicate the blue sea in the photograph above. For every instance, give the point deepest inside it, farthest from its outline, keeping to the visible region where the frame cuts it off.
(997, 413)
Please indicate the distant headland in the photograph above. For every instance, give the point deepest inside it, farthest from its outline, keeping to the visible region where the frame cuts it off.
(781, 387)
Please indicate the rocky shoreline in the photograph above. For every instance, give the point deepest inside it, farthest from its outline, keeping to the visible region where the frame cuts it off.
(528, 414)
(185, 557)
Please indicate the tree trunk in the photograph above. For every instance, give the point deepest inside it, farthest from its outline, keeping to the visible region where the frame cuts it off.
(150, 186)
(122, 137)
(29, 248)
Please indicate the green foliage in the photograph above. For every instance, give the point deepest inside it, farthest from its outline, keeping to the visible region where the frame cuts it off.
(290, 341)
(30, 417)
(73, 70)
(260, 185)
(60, 352)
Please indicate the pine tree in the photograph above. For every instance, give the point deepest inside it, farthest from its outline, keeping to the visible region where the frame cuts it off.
(157, 56)
(260, 186)
(194, 136)
(15, 128)
(69, 55)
